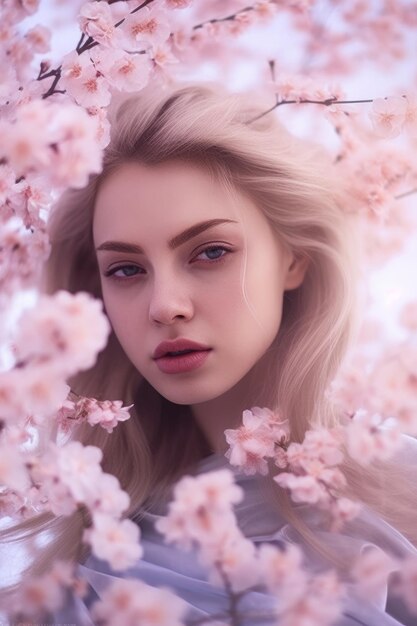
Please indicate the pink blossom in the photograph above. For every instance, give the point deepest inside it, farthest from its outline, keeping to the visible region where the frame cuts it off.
(178, 4)
(410, 123)
(108, 414)
(147, 27)
(253, 441)
(124, 71)
(370, 571)
(388, 115)
(39, 38)
(108, 497)
(23, 142)
(282, 571)
(321, 605)
(343, 510)
(303, 488)
(97, 20)
(102, 132)
(235, 557)
(41, 391)
(162, 58)
(46, 592)
(78, 154)
(39, 595)
(83, 82)
(7, 182)
(132, 602)
(114, 541)
(8, 80)
(13, 471)
(201, 510)
(78, 467)
(324, 445)
(367, 439)
(65, 329)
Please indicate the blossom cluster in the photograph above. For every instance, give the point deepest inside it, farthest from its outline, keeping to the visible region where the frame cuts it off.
(201, 517)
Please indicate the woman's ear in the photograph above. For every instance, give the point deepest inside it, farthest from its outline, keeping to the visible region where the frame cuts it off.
(296, 272)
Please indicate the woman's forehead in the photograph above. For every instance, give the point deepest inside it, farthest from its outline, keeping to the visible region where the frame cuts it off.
(173, 195)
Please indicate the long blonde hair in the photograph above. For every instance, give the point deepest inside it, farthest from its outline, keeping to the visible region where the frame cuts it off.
(304, 203)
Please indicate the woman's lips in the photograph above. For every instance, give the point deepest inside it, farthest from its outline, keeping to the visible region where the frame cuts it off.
(177, 364)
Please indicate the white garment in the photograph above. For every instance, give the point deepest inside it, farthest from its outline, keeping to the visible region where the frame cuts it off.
(166, 565)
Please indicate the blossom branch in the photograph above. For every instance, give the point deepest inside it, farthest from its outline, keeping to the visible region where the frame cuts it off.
(327, 102)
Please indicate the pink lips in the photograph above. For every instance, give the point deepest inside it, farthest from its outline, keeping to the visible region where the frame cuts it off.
(176, 363)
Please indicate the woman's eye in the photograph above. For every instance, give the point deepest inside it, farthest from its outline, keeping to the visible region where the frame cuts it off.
(212, 253)
(124, 271)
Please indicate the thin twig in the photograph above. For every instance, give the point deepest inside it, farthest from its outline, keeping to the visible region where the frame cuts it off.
(405, 194)
(328, 102)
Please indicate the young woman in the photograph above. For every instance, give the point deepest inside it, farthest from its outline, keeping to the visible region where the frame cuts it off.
(220, 249)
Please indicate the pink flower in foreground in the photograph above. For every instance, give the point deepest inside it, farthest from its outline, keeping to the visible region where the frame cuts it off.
(65, 329)
(321, 605)
(39, 38)
(124, 71)
(368, 439)
(13, 471)
(254, 440)
(388, 115)
(145, 28)
(106, 413)
(83, 82)
(303, 488)
(108, 497)
(96, 20)
(371, 571)
(114, 541)
(132, 602)
(201, 510)
(235, 557)
(282, 571)
(46, 592)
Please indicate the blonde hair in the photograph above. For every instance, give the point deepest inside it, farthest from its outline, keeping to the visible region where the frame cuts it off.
(303, 202)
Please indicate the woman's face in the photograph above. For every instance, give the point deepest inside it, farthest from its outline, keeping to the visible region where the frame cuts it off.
(181, 258)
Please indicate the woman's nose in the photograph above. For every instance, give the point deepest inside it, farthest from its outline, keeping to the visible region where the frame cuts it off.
(170, 302)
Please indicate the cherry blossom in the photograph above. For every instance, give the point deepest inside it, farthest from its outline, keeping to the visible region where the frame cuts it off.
(124, 71)
(367, 439)
(47, 592)
(13, 471)
(39, 38)
(132, 602)
(97, 20)
(83, 82)
(145, 28)
(201, 510)
(106, 413)
(370, 572)
(255, 439)
(388, 115)
(114, 541)
(64, 328)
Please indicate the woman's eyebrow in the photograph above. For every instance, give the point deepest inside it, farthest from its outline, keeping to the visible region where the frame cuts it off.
(175, 242)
